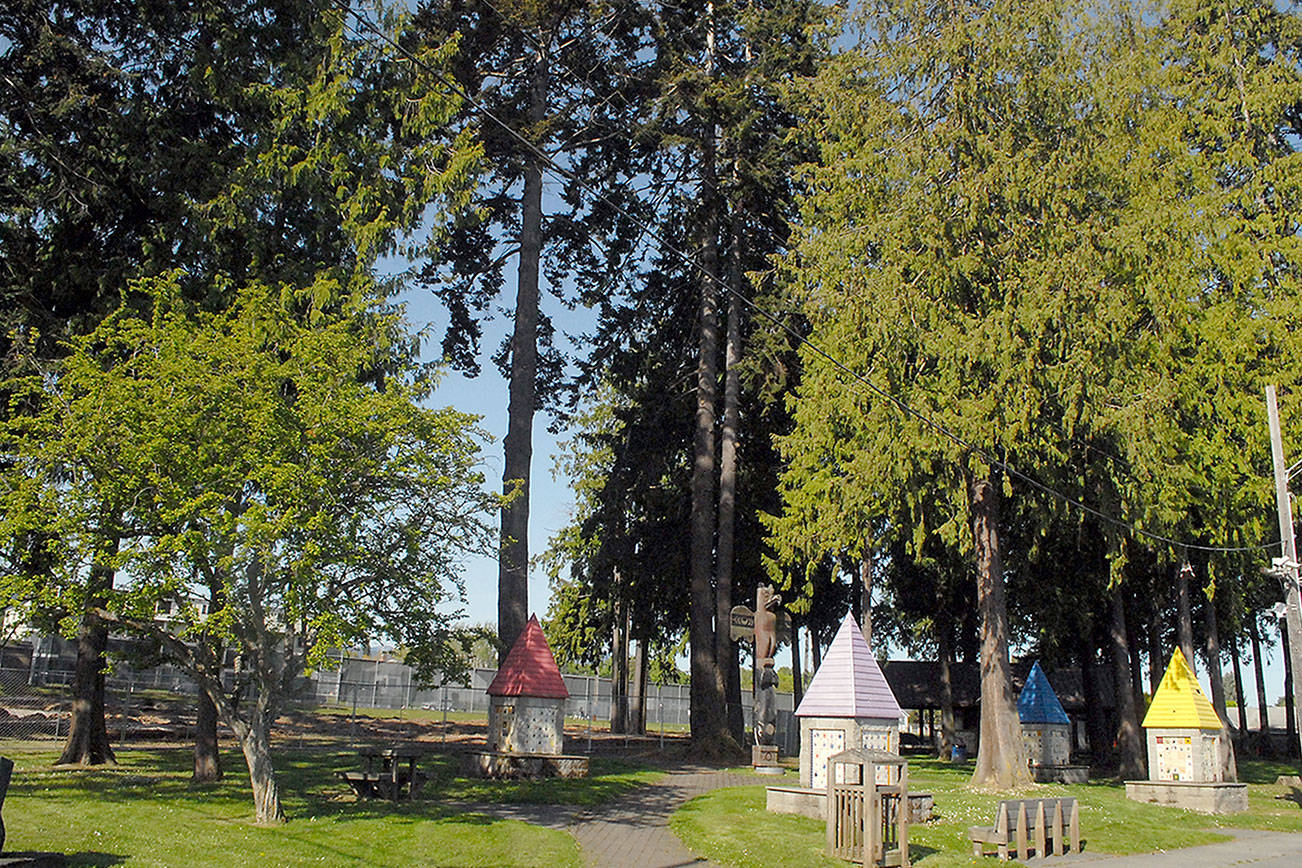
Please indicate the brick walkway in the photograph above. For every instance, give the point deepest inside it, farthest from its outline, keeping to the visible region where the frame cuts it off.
(632, 831)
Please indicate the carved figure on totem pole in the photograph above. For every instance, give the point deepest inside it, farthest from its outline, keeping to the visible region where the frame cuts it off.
(765, 626)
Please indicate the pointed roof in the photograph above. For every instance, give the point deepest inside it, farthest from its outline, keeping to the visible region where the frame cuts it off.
(530, 669)
(1038, 703)
(1179, 702)
(849, 683)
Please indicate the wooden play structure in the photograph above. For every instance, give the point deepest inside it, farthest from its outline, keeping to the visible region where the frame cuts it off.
(868, 808)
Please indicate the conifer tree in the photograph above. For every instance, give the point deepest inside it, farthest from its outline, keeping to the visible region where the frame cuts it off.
(551, 85)
(945, 258)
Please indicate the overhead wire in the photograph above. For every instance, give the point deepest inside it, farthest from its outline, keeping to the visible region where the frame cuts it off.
(778, 320)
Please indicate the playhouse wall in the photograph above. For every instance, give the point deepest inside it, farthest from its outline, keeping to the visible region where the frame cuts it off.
(823, 737)
(526, 724)
(1047, 744)
(1184, 755)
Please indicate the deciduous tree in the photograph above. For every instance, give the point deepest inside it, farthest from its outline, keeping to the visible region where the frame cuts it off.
(252, 452)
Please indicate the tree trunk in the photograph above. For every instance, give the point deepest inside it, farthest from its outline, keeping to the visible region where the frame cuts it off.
(255, 741)
(1236, 661)
(207, 758)
(1001, 757)
(1212, 648)
(856, 597)
(1130, 745)
(1229, 765)
(88, 741)
(513, 560)
(736, 720)
(866, 597)
(1156, 660)
(619, 671)
(210, 652)
(945, 651)
(725, 648)
(637, 707)
(1096, 725)
(1136, 656)
(797, 673)
(815, 649)
(1290, 713)
(708, 712)
(1263, 724)
(1184, 627)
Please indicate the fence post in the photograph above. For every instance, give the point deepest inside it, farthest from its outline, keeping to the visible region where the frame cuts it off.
(661, 716)
(352, 720)
(126, 710)
(589, 704)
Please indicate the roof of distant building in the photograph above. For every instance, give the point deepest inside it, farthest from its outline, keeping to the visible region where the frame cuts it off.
(849, 683)
(916, 683)
(530, 669)
(1037, 702)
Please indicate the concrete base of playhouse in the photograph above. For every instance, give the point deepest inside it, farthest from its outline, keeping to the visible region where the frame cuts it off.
(1060, 774)
(813, 803)
(1221, 797)
(500, 764)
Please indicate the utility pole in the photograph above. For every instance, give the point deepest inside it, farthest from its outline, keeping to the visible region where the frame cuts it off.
(1288, 565)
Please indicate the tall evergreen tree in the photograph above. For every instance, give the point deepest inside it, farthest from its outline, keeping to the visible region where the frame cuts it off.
(551, 85)
(946, 259)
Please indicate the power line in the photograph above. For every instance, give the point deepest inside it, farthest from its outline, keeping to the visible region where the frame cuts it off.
(779, 321)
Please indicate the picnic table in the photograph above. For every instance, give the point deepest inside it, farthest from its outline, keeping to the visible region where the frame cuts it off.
(386, 772)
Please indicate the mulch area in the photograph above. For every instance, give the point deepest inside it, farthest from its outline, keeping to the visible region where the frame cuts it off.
(152, 721)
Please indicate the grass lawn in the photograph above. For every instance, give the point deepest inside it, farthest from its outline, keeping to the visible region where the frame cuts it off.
(145, 812)
(732, 827)
(608, 778)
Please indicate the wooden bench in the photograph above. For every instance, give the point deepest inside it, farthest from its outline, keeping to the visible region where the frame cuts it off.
(1047, 826)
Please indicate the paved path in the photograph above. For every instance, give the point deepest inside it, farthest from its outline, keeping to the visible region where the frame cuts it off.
(632, 831)
(1249, 847)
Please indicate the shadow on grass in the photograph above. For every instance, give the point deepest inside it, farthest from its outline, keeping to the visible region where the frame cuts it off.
(1254, 771)
(89, 860)
(309, 787)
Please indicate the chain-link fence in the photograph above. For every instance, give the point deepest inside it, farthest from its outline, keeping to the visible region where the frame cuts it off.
(36, 679)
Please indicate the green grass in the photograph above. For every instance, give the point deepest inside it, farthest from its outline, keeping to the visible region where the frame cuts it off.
(145, 812)
(608, 778)
(733, 828)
